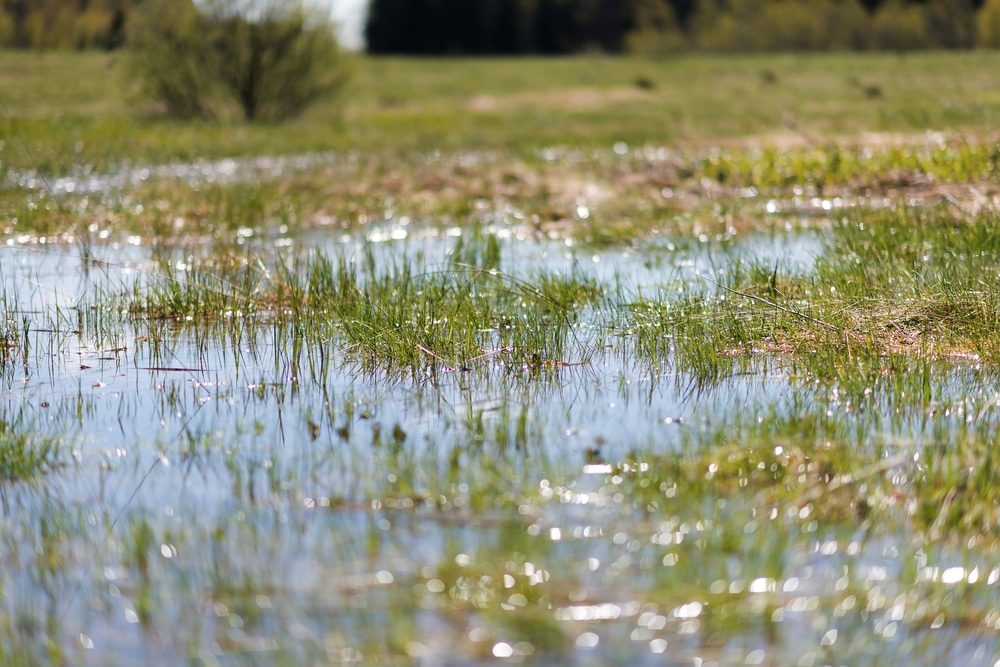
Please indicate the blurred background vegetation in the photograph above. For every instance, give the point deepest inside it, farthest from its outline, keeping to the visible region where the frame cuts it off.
(644, 27)
(63, 24)
(651, 27)
(221, 58)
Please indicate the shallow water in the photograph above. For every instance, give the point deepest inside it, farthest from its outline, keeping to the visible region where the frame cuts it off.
(223, 502)
(84, 181)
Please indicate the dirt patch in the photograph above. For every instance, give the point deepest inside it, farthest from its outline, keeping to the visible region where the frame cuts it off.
(579, 99)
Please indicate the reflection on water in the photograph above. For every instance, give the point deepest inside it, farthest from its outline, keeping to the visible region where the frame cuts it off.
(83, 181)
(228, 499)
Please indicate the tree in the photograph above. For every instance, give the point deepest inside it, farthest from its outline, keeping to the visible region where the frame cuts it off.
(272, 61)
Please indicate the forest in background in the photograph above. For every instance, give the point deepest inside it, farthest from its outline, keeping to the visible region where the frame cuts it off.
(642, 27)
(658, 27)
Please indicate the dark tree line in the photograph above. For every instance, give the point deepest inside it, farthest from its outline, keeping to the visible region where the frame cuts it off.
(443, 27)
(497, 26)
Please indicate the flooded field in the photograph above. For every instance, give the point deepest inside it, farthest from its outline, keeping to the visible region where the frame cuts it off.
(761, 432)
(505, 361)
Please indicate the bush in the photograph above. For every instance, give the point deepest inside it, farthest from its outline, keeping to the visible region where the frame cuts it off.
(899, 27)
(719, 27)
(167, 55)
(269, 62)
(988, 25)
(655, 32)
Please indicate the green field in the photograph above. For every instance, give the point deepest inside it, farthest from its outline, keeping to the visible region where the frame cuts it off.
(578, 361)
(73, 107)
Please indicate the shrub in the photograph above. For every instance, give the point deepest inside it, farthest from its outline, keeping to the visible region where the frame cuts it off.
(899, 27)
(655, 32)
(167, 55)
(717, 26)
(988, 25)
(270, 62)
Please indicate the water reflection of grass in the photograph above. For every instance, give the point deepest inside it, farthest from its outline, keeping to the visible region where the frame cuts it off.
(24, 452)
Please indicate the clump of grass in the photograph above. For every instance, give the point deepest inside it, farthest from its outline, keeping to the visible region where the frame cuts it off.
(460, 316)
(203, 290)
(803, 467)
(626, 198)
(855, 168)
(10, 343)
(894, 291)
(14, 347)
(923, 292)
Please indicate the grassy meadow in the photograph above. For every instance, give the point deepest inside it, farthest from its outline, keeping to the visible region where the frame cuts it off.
(586, 361)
